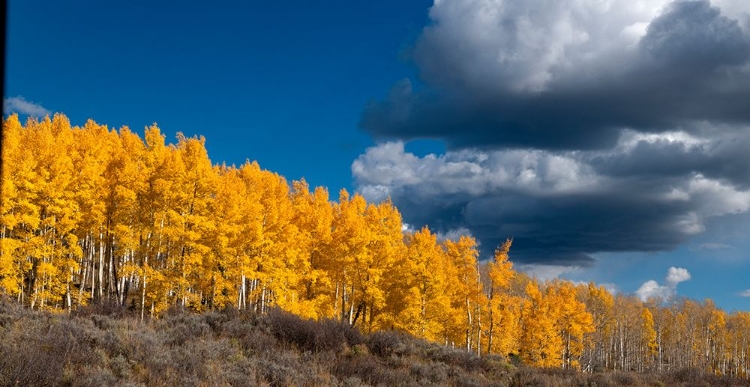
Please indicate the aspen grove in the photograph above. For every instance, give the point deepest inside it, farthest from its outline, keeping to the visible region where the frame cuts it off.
(92, 215)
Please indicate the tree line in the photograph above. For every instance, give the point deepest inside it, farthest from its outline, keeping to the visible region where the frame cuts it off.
(92, 215)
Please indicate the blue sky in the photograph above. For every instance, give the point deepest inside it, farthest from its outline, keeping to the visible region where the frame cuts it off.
(283, 85)
(605, 140)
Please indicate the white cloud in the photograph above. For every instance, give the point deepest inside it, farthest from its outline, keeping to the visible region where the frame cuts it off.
(651, 288)
(406, 227)
(675, 275)
(713, 246)
(629, 139)
(22, 106)
(454, 234)
(717, 197)
(744, 293)
(525, 46)
(386, 166)
(546, 272)
(612, 288)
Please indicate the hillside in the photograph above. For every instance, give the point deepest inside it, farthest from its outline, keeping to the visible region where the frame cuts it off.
(111, 346)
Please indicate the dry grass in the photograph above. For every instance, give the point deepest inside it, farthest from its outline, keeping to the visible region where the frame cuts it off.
(108, 345)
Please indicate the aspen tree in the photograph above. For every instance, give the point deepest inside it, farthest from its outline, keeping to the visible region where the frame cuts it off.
(738, 337)
(19, 213)
(158, 222)
(125, 186)
(599, 302)
(313, 219)
(573, 322)
(428, 306)
(503, 311)
(56, 250)
(649, 340)
(540, 341)
(350, 236)
(467, 298)
(193, 193)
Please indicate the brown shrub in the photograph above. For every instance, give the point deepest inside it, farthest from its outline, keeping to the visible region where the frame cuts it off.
(105, 307)
(385, 343)
(458, 357)
(309, 335)
(372, 371)
(246, 349)
(38, 348)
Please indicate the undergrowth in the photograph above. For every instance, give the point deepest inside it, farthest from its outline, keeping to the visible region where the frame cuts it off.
(107, 345)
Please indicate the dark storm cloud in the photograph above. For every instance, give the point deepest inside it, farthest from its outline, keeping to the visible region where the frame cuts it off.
(694, 38)
(575, 127)
(557, 209)
(568, 229)
(722, 157)
(563, 207)
(691, 66)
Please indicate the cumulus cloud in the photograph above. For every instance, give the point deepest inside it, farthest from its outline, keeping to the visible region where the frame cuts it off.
(570, 74)
(652, 289)
(745, 293)
(675, 275)
(575, 126)
(22, 106)
(560, 207)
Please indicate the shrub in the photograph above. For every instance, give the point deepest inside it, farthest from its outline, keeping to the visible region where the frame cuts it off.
(247, 349)
(625, 379)
(371, 371)
(309, 335)
(458, 357)
(105, 307)
(184, 327)
(384, 343)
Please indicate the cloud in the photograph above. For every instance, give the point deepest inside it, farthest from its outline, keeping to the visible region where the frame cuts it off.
(713, 246)
(744, 293)
(454, 235)
(560, 207)
(718, 153)
(675, 275)
(652, 289)
(575, 126)
(406, 227)
(612, 288)
(569, 74)
(22, 106)
(546, 272)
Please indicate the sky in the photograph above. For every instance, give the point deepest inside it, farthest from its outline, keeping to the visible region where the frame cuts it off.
(608, 138)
